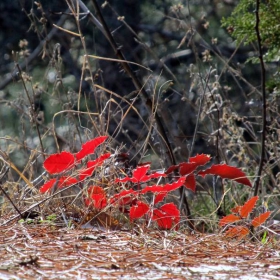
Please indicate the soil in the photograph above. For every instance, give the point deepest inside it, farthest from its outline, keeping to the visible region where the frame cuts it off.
(43, 251)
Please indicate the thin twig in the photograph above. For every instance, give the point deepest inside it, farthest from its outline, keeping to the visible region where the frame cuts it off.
(8, 197)
(36, 204)
(145, 46)
(33, 117)
(200, 110)
(144, 95)
(34, 54)
(263, 84)
(102, 26)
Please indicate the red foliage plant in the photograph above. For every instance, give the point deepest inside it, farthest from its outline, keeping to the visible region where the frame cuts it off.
(65, 161)
(241, 214)
(130, 200)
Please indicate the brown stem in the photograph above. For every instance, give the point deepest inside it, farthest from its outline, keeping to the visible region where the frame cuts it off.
(144, 95)
(263, 74)
(32, 112)
(8, 197)
(34, 54)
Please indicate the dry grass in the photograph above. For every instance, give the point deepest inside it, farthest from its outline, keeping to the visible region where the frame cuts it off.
(72, 117)
(45, 251)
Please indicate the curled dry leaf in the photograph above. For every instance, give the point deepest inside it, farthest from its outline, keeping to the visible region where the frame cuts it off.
(238, 232)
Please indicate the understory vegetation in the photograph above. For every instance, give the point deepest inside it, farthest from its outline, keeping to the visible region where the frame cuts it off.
(151, 114)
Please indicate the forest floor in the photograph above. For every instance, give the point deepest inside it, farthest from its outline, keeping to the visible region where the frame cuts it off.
(40, 251)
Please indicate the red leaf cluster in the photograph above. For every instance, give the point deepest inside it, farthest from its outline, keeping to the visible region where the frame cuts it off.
(96, 197)
(162, 191)
(139, 175)
(187, 169)
(61, 182)
(60, 162)
(243, 213)
(227, 172)
(165, 216)
(130, 201)
(64, 161)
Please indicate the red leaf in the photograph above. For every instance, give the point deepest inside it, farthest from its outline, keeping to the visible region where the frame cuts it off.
(65, 181)
(172, 210)
(165, 188)
(153, 189)
(162, 221)
(62, 182)
(48, 185)
(124, 197)
(139, 210)
(260, 219)
(99, 161)
(99, 201)
(175, 185)
(96, 197)
(123, 180)
(247, 208)
(227, 172)
(228, 219)
(201, 159)
(166, 215)
(159, 197)
(86, 172)
(237, 232)
(57, 163)
(190, 182)
(236, 209)
(187, 168)
(155, 175)
(90, 146)
(162, 191)
(91, 165)
(171, 169)
(139, 175)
